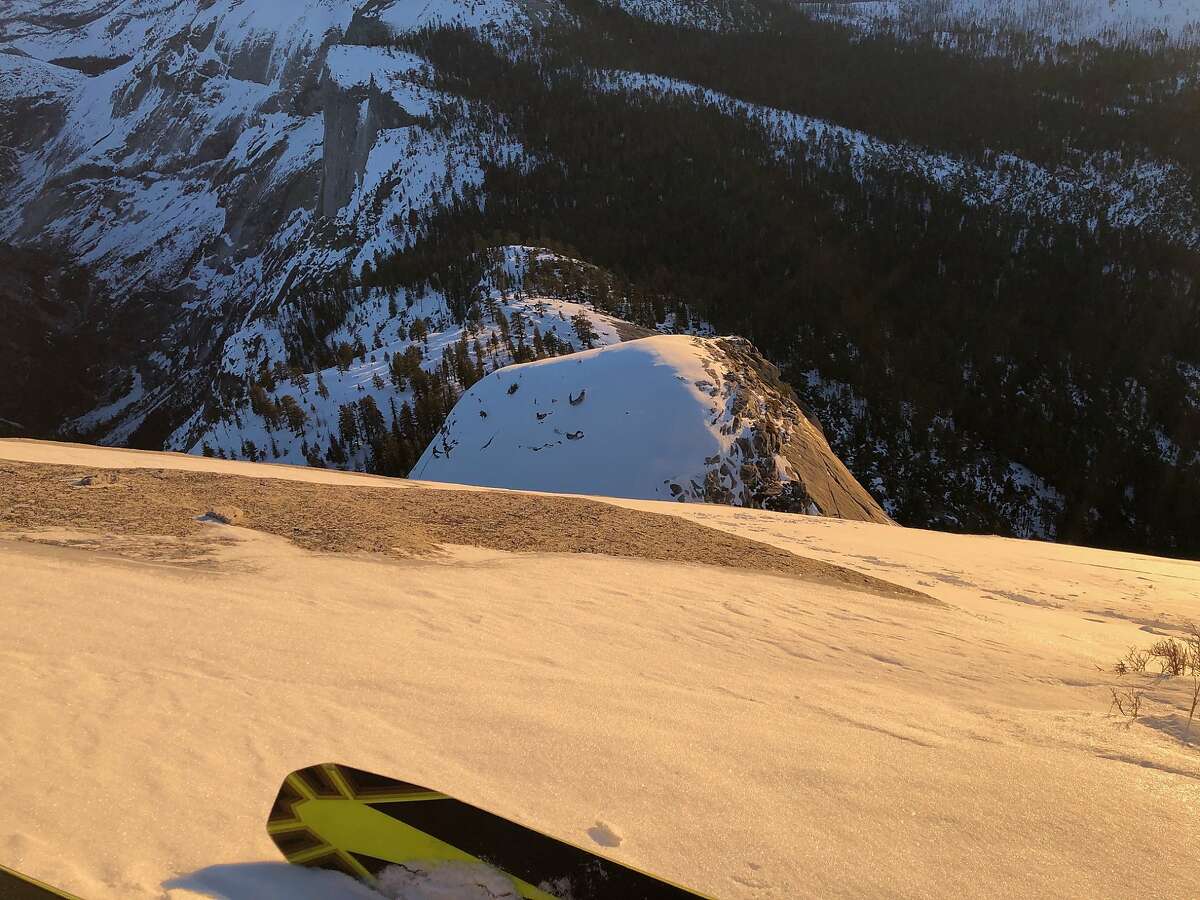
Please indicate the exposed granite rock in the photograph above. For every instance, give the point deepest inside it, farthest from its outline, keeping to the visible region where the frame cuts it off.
(354, 117)
(781, 460)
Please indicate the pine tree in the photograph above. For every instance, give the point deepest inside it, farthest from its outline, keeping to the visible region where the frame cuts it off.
(348, 426)
(335, 454)
(371, 419)
(293, 412)
(584, 330)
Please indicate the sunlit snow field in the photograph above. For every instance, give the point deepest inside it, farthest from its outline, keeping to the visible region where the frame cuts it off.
(748, 735)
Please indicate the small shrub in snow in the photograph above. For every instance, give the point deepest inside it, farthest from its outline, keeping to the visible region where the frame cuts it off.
(1133, 661)
(1127, 702)
(1176, 658)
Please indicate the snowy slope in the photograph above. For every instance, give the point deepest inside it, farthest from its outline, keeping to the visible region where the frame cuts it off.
(382, 325)
(1146, 195)
(259, 37)
(625, 421)
(670, 417)
(727, 15)
(223, 155)
(202, 147)
(486, 15)
(1053, 21)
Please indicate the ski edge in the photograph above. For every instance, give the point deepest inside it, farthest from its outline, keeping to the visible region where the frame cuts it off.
(34, 884)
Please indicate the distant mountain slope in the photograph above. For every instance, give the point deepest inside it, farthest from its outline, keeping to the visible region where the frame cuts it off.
(668, 417)
(231, 155)
(1155, 197)
(1055, 21)
(712, 15)
(58, 337)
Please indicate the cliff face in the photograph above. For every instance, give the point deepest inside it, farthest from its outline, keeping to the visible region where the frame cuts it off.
(354, 117)
(785, 462)
(219, 155)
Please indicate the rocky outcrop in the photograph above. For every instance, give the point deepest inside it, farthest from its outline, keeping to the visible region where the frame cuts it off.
(783, 460)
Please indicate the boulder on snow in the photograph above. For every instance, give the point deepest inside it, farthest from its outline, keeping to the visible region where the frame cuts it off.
(99, 479)
(224, 515)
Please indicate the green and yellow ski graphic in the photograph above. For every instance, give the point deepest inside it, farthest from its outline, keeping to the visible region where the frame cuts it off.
(335, 817)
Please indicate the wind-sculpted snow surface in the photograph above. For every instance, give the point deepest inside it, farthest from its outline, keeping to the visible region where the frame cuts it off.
(666, 417)
(684, 703)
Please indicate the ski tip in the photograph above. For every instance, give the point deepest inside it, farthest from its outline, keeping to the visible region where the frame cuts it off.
(331, 781)
(337, 794)
(331, 816)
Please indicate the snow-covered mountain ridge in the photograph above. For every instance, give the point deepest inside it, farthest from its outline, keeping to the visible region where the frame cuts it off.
(400, 359)
(669, 417)
(1142, 196)
(203, 145)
